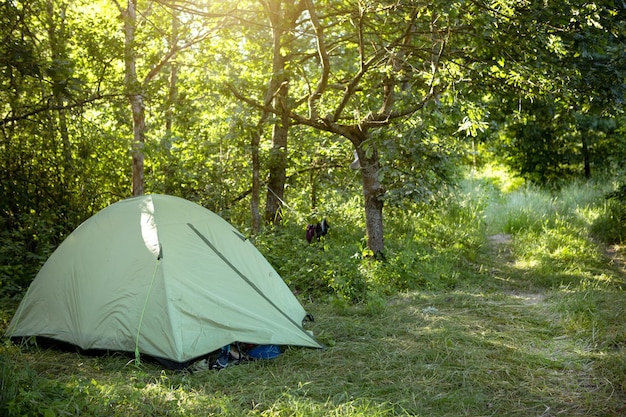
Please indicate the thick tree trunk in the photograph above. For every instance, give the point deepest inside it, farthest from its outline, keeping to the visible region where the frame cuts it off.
(280, 19)
(372, 199)
(373, 191)
(277, 172)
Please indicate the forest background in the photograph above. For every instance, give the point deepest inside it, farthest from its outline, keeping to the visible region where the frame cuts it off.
(243, 105)
(426, 132)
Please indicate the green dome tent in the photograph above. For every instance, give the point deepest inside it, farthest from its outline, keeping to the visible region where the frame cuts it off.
(161, 276)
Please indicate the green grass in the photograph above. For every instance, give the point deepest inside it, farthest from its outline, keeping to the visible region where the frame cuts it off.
(455, 323)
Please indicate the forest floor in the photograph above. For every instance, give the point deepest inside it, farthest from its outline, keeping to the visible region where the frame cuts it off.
(505, 348)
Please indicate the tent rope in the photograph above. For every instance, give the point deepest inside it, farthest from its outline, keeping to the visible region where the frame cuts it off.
(143, 310)
(280, 199)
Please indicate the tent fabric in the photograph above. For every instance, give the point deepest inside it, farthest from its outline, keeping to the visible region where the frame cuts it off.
(162, 276)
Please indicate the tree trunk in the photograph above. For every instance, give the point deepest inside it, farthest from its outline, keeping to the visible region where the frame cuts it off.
(279, 20)
(277, 171)
(313, 183)
(57, 36)
(173, 81)
(585, 152)
(139, 125)
(256, 183)
(172, 98)
(255, 141)
(373, 191)
(135, 96)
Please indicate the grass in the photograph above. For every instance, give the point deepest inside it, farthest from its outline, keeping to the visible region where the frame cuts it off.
(455, 323)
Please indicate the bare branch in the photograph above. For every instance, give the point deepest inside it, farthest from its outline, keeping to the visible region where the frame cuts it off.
(266, 106)
(171, 53)
(394, 60)
(323, 55)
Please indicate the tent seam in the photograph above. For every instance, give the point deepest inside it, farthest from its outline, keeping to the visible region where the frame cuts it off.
(143, 310)
(251, 284)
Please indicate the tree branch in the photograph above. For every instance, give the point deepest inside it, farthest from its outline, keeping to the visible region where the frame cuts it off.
(69, 106)
(172, 52)
(323, 55)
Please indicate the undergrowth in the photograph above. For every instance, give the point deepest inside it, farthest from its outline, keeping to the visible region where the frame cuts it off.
(493, 302)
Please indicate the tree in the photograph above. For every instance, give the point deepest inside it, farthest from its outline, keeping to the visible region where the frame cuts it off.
(375, 63)
(282, 16)
(559, 122)
(594, 40)
(136, 87)
(135, 93)
(51, 156)
(361, 82)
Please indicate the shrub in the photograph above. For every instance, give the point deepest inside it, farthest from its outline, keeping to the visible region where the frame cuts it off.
(9, 383)
(610, 226)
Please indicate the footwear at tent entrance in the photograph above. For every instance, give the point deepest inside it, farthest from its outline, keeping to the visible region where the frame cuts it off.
(160, 276)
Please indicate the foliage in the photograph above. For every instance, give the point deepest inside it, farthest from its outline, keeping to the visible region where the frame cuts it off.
(546, 142)
(536, 86)
(524, 80)
(556, 135)
(425, 251)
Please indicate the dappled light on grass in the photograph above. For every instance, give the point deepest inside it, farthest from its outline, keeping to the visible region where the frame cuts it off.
(477, 351)
(432, 354)
(526, 265)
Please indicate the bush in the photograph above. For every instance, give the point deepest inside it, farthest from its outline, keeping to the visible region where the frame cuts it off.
(24, 249)
(610, 226)
(9, 383)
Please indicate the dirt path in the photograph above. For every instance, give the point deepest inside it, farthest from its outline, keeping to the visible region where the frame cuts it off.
(574, 358)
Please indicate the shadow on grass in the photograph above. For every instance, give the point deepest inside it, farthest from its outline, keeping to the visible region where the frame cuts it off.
(457, 353)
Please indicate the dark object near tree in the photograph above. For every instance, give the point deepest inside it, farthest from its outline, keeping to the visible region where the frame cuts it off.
(317, 231)
(619, 194)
